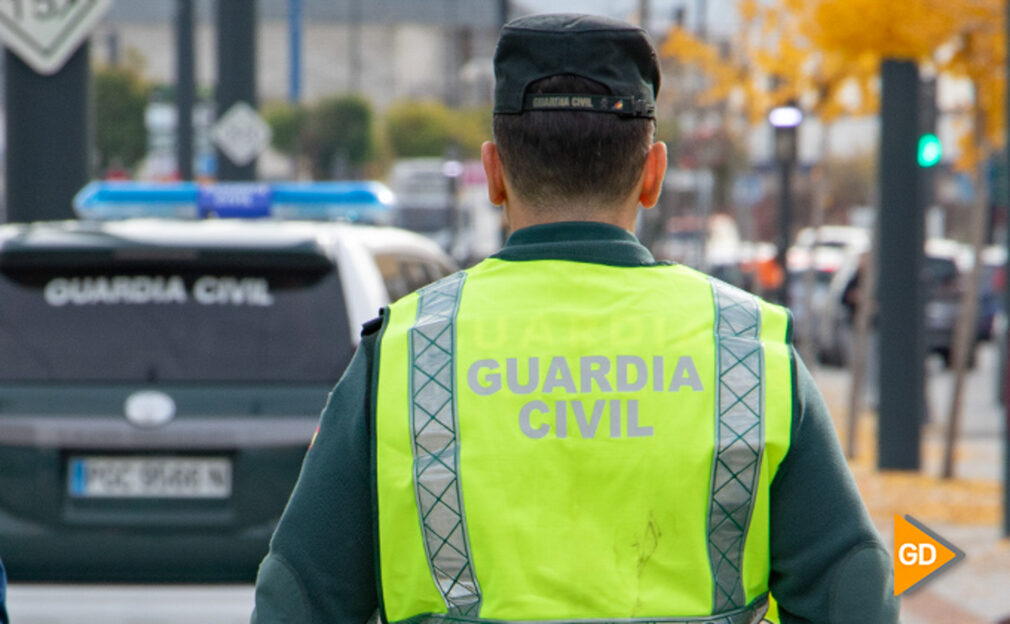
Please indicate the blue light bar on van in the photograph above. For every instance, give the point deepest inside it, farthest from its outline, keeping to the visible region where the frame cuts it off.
(365, 202)
(122, 200)
(352, 201)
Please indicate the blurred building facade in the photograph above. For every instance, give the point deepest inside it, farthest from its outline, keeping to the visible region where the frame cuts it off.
(386, 50)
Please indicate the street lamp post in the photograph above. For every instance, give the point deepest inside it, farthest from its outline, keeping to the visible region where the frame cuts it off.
(785, 120)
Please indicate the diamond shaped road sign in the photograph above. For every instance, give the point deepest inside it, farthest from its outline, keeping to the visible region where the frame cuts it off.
(44, 33)
(241, 133)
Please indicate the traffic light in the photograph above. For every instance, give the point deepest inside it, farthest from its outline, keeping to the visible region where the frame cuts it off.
(930, 150)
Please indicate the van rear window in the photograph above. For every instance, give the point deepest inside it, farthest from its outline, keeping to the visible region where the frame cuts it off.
(172, 324)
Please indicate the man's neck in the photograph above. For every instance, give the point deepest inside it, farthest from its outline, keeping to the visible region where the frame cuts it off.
(520, 216)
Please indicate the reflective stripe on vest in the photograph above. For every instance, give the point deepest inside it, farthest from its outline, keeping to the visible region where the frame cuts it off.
(739, 419)
(450, 446)
(436, 465)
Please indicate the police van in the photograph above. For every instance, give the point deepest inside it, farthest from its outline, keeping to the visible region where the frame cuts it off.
(161, 378)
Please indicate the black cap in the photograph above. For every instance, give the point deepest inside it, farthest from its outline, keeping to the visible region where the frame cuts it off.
(609, 51)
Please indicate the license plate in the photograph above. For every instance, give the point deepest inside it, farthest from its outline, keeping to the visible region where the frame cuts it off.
(150, 477)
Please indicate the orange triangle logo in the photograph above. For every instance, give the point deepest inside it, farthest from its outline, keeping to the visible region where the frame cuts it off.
(919, 553)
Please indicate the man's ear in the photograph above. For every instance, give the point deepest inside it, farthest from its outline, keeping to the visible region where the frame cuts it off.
(652, 176)
(493, 170)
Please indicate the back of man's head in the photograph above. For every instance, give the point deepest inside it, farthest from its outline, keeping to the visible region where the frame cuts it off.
(574, 109)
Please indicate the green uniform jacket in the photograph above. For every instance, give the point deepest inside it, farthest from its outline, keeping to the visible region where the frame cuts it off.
(828, 564)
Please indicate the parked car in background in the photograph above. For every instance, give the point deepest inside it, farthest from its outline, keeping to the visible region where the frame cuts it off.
(943, 284)
(427, 198)
(944, 278)
(162, 379)
(447, 201)
(812, 262)
(842, 237)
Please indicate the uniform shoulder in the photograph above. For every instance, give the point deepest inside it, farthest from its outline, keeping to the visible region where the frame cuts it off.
(775, 318)
(711, 281)
(370, 327)
(448, 287)
(727, 287)
(445, 285)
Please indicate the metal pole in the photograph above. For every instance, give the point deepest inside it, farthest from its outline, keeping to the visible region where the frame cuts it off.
(866, 309)
(236, 71)
(785, 225)
(112, 47)
(899, 291)
(1006, 307)
(49, 139)
(702, 19)
(453, 54)
(785, 137)
(294, 50)
(295, 71)
(819, 183)
(185, 88)
(354, 46)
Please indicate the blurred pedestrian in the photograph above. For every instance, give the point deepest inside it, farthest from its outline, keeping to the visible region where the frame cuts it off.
(571, 431)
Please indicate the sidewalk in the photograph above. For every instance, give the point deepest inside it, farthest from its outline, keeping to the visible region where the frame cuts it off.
(966, 510)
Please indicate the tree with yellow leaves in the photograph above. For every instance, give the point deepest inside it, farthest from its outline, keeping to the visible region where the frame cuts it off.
(814, 47)
(807, 51)
(962, 38)
(775, 59)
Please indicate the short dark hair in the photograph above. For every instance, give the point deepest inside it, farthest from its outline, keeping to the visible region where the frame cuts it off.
(575, 158)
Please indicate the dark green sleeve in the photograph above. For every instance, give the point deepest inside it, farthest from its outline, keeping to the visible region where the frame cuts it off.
(828, 563)
(320, 566)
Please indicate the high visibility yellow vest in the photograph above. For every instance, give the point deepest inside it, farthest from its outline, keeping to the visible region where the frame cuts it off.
(558, 440)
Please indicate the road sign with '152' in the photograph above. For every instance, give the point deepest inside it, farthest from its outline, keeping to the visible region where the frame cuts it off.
(44, 33)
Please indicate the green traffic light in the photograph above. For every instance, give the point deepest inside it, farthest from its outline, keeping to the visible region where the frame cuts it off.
(930, 150)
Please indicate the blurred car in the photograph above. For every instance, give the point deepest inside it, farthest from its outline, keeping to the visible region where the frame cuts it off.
(842, 237)
(810, 275)
(821, 252)
(427, 198)
(991, 277)
(447, 201)
(942, 280)
(161, 381)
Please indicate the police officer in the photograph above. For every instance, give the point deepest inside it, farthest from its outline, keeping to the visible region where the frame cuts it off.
(571, 430)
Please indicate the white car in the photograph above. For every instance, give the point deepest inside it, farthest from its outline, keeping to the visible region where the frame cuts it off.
(162, 380)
